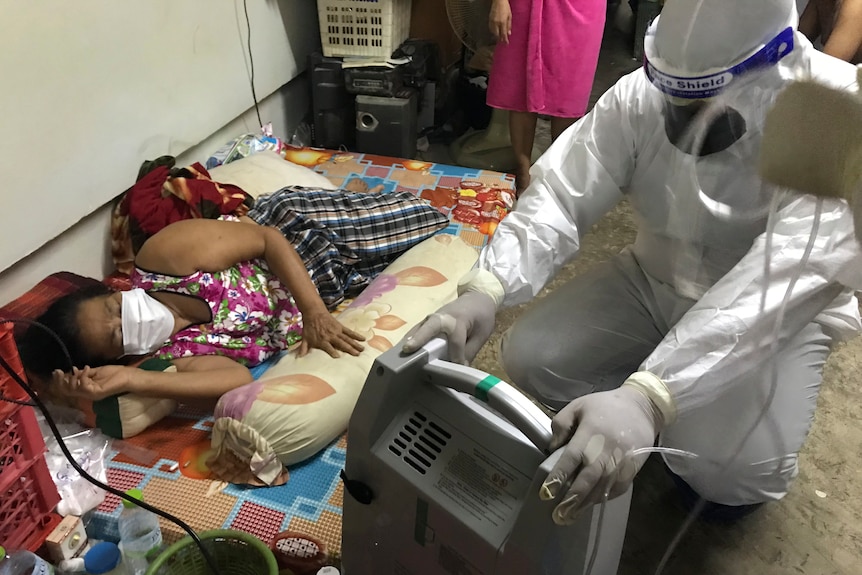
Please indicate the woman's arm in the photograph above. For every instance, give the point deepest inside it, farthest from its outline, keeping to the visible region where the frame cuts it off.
(846, 37)
(196, 378)
(500, 20)
(200, 377)
(188, 246)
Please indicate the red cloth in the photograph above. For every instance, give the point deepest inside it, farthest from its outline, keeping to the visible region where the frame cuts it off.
(160, 199)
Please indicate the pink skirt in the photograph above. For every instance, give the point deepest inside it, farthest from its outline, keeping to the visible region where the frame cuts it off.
(549, 64)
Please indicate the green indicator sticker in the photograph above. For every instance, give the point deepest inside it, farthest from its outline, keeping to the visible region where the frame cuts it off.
(484, 386)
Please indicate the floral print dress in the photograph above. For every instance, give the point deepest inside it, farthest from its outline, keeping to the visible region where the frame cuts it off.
(254, 316)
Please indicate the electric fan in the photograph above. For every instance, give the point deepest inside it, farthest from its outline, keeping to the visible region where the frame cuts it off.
(491, 148)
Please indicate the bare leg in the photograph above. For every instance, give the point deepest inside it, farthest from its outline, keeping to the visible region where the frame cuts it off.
(522, 131)
(559, 125)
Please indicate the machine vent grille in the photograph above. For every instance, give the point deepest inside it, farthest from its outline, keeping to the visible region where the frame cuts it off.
(419, 442)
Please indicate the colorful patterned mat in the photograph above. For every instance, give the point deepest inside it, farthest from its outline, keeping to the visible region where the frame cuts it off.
(475, 200)
(164, 460)
(310, 503)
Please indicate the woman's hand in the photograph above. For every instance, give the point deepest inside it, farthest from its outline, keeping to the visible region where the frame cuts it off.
(322, 331)
(361, 186)
(95, 383)
(500, 20)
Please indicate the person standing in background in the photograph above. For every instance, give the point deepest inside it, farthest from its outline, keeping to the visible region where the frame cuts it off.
(838, 26)
(544, 63)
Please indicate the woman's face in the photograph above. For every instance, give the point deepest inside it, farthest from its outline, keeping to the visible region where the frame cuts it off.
(101, 327)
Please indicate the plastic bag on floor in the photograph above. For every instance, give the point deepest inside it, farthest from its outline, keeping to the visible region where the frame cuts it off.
(90, 449)
(246, 145)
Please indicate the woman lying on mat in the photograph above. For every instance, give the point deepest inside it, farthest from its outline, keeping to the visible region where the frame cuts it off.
(218, 297)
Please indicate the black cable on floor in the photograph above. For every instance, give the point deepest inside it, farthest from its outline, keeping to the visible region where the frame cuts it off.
(17, 401)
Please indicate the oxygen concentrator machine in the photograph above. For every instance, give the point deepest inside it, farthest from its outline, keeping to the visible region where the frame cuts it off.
(442, 476)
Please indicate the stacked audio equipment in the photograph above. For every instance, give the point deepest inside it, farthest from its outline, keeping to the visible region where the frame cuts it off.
(376, 106)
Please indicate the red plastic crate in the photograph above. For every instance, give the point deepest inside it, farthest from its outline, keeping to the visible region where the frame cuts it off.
(37, 539)
(20, 437)
(26, 506)
(8, 387)
(28, 495)
(20, 443)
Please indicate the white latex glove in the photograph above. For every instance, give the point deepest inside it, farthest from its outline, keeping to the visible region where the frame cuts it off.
(600, 431)
(466, 322)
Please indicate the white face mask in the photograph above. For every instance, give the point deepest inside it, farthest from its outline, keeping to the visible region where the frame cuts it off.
(147, 323)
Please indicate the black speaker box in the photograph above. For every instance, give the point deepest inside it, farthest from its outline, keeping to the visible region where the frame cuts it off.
(387, 126)
(333, 107)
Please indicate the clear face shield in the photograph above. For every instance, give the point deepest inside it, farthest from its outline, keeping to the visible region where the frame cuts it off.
(687, 94)
(716, 202)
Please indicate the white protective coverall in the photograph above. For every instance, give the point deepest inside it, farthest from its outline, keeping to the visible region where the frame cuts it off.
(678, 314)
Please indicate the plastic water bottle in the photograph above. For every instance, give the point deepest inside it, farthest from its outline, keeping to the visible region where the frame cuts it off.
(23, 563)
(140, 535)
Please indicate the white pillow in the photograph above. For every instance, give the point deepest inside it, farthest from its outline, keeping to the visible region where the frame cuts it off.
(267, 172)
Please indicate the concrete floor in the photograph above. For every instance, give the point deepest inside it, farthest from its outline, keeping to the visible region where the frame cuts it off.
(816, 529)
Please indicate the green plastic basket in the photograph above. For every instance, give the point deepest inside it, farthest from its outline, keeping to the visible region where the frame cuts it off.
(234, 552)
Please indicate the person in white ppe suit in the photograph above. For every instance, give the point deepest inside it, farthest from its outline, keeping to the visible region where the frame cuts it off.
(668, 342)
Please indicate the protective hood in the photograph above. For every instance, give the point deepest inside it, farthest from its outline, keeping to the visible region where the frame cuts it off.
(696, 49)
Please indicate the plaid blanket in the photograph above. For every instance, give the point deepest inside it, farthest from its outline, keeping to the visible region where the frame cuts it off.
(346, 239)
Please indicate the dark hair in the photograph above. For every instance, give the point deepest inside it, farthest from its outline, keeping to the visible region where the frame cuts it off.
(41, 354)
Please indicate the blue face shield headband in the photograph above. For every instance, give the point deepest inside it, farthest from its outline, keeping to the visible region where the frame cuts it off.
(709, 85)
